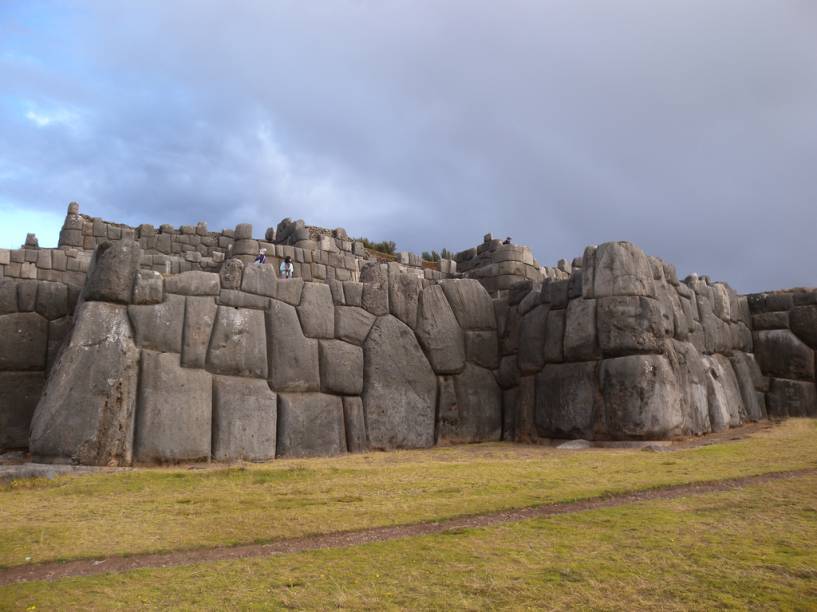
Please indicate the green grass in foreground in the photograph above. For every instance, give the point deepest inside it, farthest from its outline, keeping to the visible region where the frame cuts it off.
(745, 548)
(152, 510)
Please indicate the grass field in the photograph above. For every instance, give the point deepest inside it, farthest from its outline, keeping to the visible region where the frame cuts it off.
(753, 547)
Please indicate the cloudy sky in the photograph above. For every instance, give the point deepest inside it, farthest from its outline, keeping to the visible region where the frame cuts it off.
(686, 126)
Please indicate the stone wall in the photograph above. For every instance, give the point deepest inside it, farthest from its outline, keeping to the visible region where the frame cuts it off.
(784, 325)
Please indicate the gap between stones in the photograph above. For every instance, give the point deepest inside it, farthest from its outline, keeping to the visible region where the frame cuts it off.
(54, 570)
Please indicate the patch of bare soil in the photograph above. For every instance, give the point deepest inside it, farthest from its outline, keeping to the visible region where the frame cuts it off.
(90, 567)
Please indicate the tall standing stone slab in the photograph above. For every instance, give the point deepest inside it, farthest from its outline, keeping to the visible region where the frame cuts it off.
(174, 414)
(19, 394)
(112, 272)
(439, 332)
(641, 398)
(23, 341)
(158, 327)
(355, 422)
(245, 414)
(200, 315)
(473, 411)
(404, 293)
(86, 412)
(554, 336)
(310, 425)
(690, 370)
(400, 389)
(581, 342)
(317, 311)
(532, 331)
(238, 345)
(293, 358)
(743, 367)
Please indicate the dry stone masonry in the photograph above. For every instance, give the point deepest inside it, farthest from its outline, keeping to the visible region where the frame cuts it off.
(141, 346)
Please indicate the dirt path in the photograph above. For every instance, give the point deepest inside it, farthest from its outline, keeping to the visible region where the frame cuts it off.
(50, 571)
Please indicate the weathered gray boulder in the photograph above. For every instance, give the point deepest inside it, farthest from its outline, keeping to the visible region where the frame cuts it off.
(791, 398)
(245, 414)
(641, 398)
(803, 320)
(619, 268)
(352, 324)
(86, 412)
(174, 412)
(568, 400)
(193, 283)
(404, 293)
(231, 273)
(200, 314)
(554, 336)
(782, 354)
(27, 295)
(148, 288)
(723, 396)
(112, 272)
(238, 345)
(400, 389)
(19, 394)
(470, 302)
(52, 300)
(581, 342)
(628, 325)
(341, 367)
(355, 421)
(770, 320)
(293, 358)
(317, 311)
(8, 296)
(159, 327)
(532, 331)
(336, 288)
(23, 341)
(481, 348)
(375, 297)
(353, 293)
(439, 333)
(309, 425)
(470, 406)
(690, 371)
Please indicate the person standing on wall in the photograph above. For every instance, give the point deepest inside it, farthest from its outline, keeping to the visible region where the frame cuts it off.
(262, 257)
(286, 268)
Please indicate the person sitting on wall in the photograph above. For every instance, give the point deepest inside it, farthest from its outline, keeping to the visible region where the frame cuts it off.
(507, 240)
(262, 257)
(286, 268)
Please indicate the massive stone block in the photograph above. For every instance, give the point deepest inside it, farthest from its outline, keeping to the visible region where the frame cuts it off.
(23, 341)
(568, 400)
(554, 336)
(620, 268)
(581, 342)
(791, 398)
(352, 324)
(723, 396)
(231, 272)
(8, 296)
(641, 398)
(27, 295)
(746, 376)
(200, 314)
(375, 296)
(470, 406)
(86, 412)
(628, 325)
(58, 331)
(238, 345)
(19, 394)
(782, 354)
(470, 302)
(293, 358)
(439, 333)
(193, 283)
(52, 300)
(148, 288)
(309, 425)
(404, 293)
(263, 280)
(112, 272)
(803, 321)
(159, 327)
(317, 311)
(341, 366)
(245, 414)
(690, 371)
(400, 389)
(174, 413)
(532, 332)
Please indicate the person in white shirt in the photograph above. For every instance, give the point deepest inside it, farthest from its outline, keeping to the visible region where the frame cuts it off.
(286, 268)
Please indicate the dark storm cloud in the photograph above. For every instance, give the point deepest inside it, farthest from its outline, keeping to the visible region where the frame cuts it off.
(687, 127)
